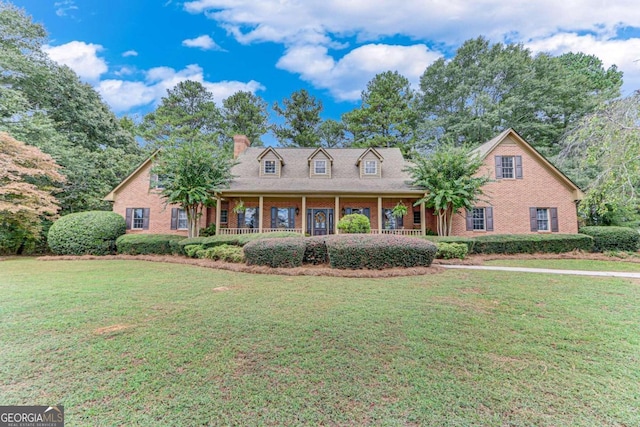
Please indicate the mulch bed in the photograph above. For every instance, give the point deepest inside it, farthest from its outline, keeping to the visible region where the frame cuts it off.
(323, 270)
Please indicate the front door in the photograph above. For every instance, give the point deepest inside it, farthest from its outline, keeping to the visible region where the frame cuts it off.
(319, 222)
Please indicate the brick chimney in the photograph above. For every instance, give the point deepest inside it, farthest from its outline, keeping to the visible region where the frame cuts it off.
(240, 143)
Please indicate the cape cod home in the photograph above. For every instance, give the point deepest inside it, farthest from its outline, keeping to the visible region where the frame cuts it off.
(309, 189)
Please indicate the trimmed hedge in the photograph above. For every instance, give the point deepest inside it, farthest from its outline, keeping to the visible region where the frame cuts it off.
(226, 253)
(232, 239)
(315, 251)
(521, 243)
(613, 238)
(378, 251)
(276, 252)
(144, 244)
(452, 250)
(86, 233)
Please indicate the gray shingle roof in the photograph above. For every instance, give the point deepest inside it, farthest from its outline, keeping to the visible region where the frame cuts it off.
(345, 175)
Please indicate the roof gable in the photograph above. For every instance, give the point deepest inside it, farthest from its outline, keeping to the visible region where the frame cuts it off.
(111, 197)
(317, 151)
(484, 150)
(367, 151)
(270, 150)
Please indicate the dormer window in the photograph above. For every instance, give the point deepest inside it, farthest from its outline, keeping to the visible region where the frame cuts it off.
(320, 167)
(269, 167)
(370, 167)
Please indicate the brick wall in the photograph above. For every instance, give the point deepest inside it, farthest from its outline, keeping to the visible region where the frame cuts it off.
(136, 194)
(512, 198)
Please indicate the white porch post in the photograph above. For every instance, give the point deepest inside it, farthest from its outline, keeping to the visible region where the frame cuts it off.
(423, 219)
(336, 215)
(304, 214)
(218, 212)
(379, 215)
(260, 214)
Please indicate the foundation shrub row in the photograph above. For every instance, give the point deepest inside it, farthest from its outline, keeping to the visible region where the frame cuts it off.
(613, 238)
(520, 243)
(147, 244)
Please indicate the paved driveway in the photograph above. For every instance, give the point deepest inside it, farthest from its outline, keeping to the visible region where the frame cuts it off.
(546, 271)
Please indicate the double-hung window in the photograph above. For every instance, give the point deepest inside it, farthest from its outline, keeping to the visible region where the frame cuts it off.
(137, 218)
(320, 167)
(479, 223)
(182, 219)
(370, 167)
(544, 219)
(269, 167)
(542, 216)
(507, 167)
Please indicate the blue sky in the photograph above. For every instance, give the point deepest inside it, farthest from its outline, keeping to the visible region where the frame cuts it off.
(132, 51)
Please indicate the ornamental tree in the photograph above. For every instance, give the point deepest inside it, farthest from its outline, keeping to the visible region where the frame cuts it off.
(27, 182)
(448, 176)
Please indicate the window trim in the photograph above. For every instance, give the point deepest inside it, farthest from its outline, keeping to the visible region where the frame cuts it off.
(224, 213)
(512, 168)
(474, 219)
(547, 220)
(133, 219)
(178, 219)
(269, 171)
(368, 163)
(316, 163)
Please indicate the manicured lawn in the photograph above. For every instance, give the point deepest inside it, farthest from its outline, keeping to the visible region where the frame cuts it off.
(135, 343)
(569, 264)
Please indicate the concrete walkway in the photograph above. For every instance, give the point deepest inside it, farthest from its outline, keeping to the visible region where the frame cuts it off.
(546, 271)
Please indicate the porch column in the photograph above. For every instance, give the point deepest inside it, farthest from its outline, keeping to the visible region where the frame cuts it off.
(336, 215)
(379, 215)
(423, 220)
(218, 212)
(303, 213)
(260, 214)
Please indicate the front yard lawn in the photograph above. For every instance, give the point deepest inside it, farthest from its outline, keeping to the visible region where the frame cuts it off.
(140, 343)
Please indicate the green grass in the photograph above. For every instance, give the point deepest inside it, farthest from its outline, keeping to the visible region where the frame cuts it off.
(569, 264)
(453, 349)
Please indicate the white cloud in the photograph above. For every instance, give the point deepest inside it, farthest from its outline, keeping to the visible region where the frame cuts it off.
(64, 7)
(124, 95)
(81, 57)
(623, 53)
(203, 42)
(130, 53)
(346, 77)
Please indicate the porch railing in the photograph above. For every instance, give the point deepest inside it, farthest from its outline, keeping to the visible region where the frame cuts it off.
(228, 231)
(400, 232)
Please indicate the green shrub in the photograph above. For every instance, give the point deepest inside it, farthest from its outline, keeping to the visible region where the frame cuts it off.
(86, 233)
(232, 239)
(276, 252)
(354, 223)
(226, 253)
(315, 251)
(143, 244)
(613, 238)
(208, 231)
(531, 243)
(378, 251)
(192, 250)
(468, 241)
(452, 250)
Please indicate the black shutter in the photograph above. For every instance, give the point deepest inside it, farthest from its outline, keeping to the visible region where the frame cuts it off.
(127, 218)
(240, 219)
(518, 167)
(309, 225)
(399, 222)
(469, 219)
(488, 212)
(367, 213)
(533, 218)
(174, 218)
(257, 219)
(145, 218)
(498, 167)
(554, 219)
(274, 217)
(292, 218)
(384, 219)
(330, 231)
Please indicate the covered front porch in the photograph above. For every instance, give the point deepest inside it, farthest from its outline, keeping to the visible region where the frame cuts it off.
(317, 214)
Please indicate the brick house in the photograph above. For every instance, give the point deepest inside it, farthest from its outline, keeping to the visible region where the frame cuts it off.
(309, 189)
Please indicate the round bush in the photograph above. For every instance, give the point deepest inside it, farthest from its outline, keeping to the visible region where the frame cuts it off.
(86, 233)
(354, 223)
(379, 251)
